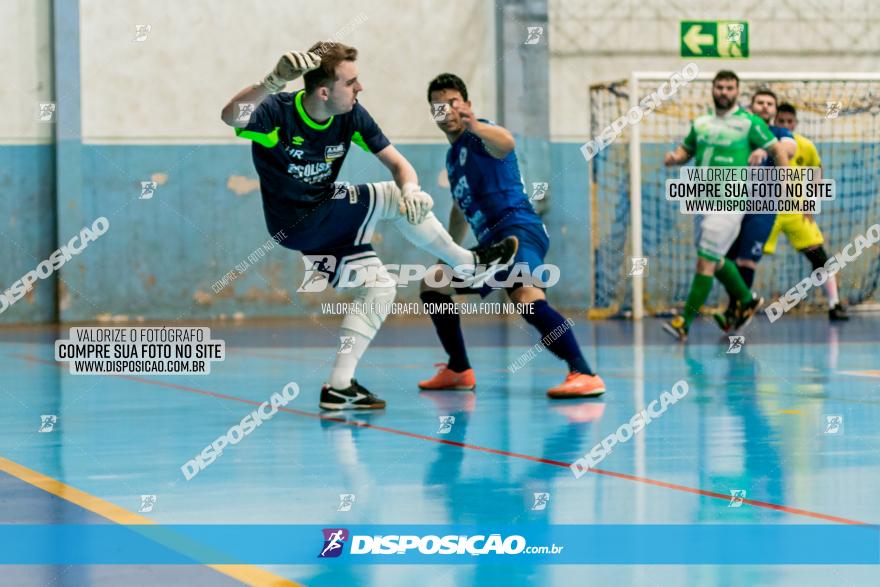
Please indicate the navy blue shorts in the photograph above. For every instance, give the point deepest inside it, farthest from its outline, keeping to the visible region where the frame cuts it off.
(533, 246)
(753, 233)
(337, 231)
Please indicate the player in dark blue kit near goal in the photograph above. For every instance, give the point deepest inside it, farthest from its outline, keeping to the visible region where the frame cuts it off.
(748, 248)
(489, 197)
(299, 142)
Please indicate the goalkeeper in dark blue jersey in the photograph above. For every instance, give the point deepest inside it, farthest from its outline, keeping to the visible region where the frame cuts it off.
(299, 142)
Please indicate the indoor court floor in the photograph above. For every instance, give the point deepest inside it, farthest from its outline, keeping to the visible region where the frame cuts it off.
(757, 421)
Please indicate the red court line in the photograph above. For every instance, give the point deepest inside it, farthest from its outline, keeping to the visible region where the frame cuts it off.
(475, 447)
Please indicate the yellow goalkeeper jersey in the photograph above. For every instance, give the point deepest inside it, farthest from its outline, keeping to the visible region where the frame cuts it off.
(806, 154)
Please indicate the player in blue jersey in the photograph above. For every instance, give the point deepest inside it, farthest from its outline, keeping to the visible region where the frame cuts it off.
(299, 142)
(489, 197)
(748, 248)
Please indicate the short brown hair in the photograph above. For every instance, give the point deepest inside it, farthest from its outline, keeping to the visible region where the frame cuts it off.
(725, 74)
(765, 92)
(331, 54)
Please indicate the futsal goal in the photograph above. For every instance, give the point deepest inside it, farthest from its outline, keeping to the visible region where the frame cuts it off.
(839, 112)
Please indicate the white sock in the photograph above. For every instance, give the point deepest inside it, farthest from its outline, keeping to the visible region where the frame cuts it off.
(432, 237)
(359, 327)
(831, 291)
(346, 363)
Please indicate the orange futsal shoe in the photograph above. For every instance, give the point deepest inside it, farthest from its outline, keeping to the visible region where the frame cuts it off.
(578, 385)
(448, 380)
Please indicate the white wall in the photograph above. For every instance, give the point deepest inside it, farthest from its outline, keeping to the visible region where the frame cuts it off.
(25, 43)
(171, 87)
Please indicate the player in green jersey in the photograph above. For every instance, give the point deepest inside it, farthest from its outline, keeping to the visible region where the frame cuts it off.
(724, 138)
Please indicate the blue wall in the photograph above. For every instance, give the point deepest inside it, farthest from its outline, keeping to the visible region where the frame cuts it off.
(161, 256)
(27, 227)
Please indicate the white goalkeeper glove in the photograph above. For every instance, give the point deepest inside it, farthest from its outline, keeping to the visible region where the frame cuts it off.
(291, 66)
(415, 203)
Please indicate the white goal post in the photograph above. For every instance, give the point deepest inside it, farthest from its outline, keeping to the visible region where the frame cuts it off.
(635, 90)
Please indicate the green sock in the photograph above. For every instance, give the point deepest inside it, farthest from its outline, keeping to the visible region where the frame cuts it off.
(736, 286)
(701, 287)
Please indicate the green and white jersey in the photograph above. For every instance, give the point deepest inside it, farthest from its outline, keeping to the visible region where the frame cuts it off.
(727, 141)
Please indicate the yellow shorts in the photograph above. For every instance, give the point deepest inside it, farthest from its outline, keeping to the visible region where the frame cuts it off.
(801, 233)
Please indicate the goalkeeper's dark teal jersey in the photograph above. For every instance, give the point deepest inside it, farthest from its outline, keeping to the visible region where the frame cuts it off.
(299, 159)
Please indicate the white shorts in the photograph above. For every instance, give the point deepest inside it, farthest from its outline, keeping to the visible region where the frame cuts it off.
(716, 233)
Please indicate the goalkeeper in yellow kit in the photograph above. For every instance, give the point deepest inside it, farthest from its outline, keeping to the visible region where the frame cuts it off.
(801, 229)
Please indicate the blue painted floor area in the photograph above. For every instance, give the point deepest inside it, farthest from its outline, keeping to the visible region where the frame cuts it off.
(756, 421)
(21, 503)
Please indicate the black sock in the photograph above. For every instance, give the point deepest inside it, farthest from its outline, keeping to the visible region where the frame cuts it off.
(748, 275)
(556, 334)
(448, 326)
(817, 257)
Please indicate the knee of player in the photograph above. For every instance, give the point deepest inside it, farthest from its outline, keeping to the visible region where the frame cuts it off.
(526, 294)
(436, 279)
(379, 288)
(816, 255)
(377, 301)
(388, 198)
(707, 266)
(373, 305)
(384, 294)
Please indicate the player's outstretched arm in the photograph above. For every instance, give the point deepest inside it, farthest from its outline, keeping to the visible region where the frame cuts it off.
(291, 66)
(757, 157)
(790, 147)
(779, 151)
(499, 142)
(401, 169)
(413, 201)
(254, 94)
(679, 156)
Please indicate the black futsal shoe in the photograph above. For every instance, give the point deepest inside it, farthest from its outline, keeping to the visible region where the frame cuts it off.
(838, 314)
(490, 259)
(744, 313)
(353, 397)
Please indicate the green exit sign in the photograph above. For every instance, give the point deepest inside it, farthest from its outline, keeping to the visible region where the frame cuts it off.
(721, 39)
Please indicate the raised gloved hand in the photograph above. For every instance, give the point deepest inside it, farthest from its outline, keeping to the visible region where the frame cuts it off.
(415, 203)
(291, 66)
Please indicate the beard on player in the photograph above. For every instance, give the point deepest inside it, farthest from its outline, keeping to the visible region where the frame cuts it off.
(723, 102)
